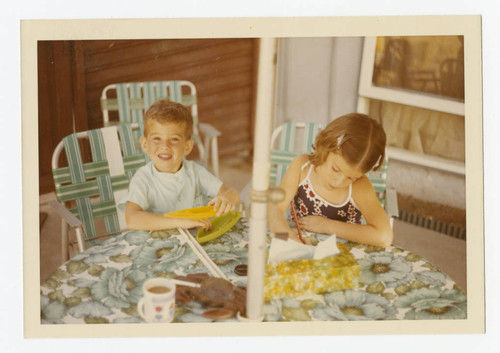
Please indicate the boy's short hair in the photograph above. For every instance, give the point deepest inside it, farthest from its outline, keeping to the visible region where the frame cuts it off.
(166, 111)
(359, 139)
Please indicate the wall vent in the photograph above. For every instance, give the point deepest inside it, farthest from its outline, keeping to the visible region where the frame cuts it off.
(432, 224)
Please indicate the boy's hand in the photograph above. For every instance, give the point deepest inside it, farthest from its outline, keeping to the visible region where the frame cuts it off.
(226, 200)
(187, 223)
(221, 204)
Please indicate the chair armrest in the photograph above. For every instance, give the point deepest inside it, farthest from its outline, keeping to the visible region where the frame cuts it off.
(71, 219)
(209, 130)
(211, 146)
(391, 203)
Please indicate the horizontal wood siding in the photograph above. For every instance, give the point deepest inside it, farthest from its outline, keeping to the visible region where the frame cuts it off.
(221, 69)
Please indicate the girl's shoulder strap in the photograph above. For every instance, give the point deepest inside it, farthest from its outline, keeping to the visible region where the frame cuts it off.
(303, 167)
(310, 168)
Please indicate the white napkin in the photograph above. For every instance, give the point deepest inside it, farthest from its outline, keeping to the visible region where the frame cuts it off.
(285, 250)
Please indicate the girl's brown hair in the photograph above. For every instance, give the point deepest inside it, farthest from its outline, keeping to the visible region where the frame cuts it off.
(166, 111)
(359, 139)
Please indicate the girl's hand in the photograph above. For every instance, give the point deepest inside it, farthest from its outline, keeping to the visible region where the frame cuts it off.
(187, 223)
(221, 204)
(293, 236)
(315, 224)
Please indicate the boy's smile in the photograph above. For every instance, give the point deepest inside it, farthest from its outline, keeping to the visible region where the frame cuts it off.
(166, 145)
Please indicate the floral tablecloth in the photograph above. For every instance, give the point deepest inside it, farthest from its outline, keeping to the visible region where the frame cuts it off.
(104, 283)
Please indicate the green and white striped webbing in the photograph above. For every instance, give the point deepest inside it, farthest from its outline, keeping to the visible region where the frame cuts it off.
(102, 178)
(149, 92)
(287, 150)
(103, 182)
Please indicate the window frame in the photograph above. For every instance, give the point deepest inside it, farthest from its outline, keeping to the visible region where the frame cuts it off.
(367, 91)
(401, 96)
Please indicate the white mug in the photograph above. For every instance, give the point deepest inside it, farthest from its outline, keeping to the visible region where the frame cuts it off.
(158, 302)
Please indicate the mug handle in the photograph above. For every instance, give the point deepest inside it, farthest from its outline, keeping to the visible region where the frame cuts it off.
(140, 305)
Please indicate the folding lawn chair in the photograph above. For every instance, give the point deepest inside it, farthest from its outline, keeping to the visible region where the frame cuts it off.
(134, 98)
(88, 192)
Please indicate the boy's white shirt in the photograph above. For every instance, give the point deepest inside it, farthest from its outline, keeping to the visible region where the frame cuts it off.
(160, 193)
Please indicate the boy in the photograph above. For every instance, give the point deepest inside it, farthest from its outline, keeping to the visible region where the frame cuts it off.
(169, 182)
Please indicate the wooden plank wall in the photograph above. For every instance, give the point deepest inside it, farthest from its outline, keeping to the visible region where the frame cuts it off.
(223, 70)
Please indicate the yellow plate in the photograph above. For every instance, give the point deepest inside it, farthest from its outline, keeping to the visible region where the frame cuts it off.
(220, 225)
(195, 213)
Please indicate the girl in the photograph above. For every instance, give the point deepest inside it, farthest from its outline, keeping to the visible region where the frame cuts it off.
(329, 188)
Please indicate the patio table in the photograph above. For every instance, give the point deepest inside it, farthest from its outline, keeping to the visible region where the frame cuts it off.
(104, 283)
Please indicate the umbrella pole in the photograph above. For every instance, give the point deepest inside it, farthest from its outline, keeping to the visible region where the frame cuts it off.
(260, 180)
